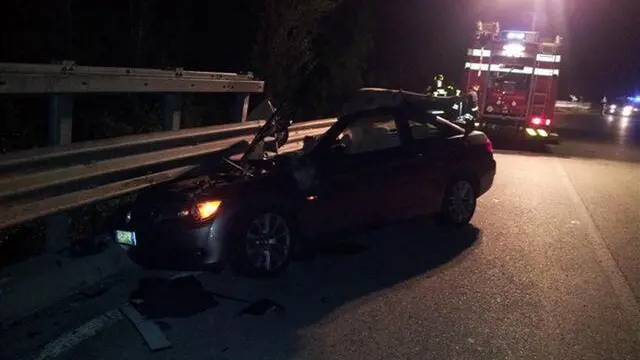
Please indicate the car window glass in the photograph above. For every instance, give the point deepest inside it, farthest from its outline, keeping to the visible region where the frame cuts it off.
(370, 133)
(423, 129)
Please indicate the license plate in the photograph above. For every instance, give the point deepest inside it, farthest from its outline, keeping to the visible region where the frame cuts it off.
(126, 237)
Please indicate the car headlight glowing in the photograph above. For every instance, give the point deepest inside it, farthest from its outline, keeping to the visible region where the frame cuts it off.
(627, 110)
(203, 210)
(207, 209)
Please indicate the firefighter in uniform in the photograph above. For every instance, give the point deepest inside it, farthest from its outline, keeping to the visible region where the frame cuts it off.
(451, 90)
(469, 113)
(437, 86)
(472, 101)
(604, 104)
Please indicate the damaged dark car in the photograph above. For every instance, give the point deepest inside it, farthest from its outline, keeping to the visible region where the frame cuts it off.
(388, 158)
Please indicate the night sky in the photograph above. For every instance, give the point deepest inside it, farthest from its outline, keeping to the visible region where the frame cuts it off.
(414, 38)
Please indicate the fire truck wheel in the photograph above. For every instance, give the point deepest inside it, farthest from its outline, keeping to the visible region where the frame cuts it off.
(458, 204)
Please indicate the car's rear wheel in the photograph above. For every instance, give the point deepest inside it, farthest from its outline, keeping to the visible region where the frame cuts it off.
(459, 203)
(263, 244)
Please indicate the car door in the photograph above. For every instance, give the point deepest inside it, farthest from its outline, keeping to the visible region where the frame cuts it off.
(432, 151)
(356, 169)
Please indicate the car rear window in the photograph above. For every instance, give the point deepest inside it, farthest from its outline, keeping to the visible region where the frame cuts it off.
(425, 125)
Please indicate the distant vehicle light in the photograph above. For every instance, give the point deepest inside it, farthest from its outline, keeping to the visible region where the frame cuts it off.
(624, 122)
(547, 122)
(536, 121)
(613, 106)
(515, 36)
(627, 110)
(635, 99)
(531, 132)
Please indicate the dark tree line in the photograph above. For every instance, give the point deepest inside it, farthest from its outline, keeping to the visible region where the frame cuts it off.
(274, 39)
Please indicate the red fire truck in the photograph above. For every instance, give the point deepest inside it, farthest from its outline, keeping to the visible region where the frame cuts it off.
(517, 73)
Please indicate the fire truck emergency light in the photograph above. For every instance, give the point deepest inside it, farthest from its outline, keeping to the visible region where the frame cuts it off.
(513, 49)
(515, 36)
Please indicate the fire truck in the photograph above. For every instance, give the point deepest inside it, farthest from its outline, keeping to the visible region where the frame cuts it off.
(517, 75)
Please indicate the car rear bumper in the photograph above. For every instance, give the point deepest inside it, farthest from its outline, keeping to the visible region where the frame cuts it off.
(486, 180)
(174, 246)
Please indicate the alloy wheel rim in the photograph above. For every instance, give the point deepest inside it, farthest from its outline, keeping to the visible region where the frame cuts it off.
(268, 242)
(461, 202)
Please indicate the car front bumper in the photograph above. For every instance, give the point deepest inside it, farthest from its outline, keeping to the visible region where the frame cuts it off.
(176, 245)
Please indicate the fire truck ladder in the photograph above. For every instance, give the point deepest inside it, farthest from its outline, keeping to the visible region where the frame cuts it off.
(487, 32)
(485, 94)
(538, 107)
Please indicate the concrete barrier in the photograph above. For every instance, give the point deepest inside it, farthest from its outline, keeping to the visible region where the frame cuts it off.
(573, 105)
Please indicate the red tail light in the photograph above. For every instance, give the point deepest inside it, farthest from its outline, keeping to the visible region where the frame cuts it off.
(540, 121)
(536, 121)
(489, 146)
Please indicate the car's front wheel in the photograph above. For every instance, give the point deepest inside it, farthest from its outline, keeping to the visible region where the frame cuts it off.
(262, 245)
(459, 204)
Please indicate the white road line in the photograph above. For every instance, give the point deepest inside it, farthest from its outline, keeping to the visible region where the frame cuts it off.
(72, 338)
(603, 254)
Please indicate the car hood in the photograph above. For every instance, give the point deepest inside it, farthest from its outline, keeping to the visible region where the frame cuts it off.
(207, 183)
(173, 196)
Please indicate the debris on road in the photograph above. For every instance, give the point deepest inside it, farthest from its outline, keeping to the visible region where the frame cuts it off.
(153, 336)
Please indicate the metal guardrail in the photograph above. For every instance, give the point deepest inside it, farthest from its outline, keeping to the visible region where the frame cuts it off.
(41, 182)
(92, 151)
(66, 168)
(69, 78)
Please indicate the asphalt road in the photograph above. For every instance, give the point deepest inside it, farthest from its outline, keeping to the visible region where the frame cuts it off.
(548, 270)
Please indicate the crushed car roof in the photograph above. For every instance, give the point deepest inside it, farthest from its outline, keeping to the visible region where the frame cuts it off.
(374, 98)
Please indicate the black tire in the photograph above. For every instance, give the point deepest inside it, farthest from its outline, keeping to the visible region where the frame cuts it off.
(451, 214)
(243, 242)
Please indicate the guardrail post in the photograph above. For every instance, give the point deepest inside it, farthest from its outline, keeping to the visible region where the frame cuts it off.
(172, 111)
(242, 107)
(60, 127)
(60, 119)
